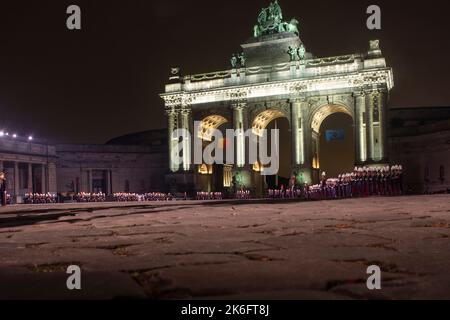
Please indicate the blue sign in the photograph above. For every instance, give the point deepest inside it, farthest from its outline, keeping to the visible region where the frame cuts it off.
(332, 135)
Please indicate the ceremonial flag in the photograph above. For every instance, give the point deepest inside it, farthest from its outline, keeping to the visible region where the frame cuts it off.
(332, 135)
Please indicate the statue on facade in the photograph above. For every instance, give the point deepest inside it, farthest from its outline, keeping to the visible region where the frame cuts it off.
(242, 60)
(292, 26)
(233, 61)
(292, 53)
(301, 52)
(297, 54)
(270, 20)
(277, 13)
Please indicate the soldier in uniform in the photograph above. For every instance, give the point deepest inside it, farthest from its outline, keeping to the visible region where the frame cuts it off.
(323, 185)
(388, 181)
(400, 179)
(3, 188)
(339, 193)
(371, 182)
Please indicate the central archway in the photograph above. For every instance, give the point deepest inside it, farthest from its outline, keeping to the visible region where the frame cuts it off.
(333, 141)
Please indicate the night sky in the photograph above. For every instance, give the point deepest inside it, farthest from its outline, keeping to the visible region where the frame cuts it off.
(101, 82)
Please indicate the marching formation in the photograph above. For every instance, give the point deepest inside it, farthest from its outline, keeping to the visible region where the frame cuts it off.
(90, 197)
(362, 182)
(136, 197)
(209, 196)
(290, 193)
(38, 198)
(243, 194)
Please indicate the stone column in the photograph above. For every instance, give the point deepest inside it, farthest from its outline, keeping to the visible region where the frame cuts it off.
(89, 182)
(108, 183)
(43, 178)
(185, 124)
(360, 136)
(306, 143)
(16, 180)
(30, 178)
(382, 140)
(172, 125)
(238, 122)
(369, 128)
(110, 179)
(296, 131)
(52, 182)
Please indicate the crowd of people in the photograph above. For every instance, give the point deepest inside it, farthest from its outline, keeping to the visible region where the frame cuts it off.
(40, 198)
(281, 193)
(136, 197)
(90, 197)
(209, 196)
(243, 194)
(362, 182)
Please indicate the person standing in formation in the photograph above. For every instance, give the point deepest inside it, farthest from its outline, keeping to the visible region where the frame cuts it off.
(3, 195)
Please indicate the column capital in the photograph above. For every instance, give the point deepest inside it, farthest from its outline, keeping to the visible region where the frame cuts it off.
(185, 110)
(170, 110)
(298, 99)
(239, 105)
(359, 94)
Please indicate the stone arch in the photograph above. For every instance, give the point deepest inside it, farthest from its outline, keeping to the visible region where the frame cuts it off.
(323, 111)
(317, 118)
(208, 124)
(264, 118)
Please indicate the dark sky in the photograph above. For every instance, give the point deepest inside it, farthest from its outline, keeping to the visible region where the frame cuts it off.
(103, 81)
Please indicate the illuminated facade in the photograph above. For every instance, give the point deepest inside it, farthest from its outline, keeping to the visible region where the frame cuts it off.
(275, 77)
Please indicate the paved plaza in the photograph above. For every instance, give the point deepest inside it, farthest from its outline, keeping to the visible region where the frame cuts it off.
(228, 250)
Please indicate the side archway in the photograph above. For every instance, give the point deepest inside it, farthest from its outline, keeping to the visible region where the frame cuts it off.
(263, 119)
(208, 124)
(213, 177)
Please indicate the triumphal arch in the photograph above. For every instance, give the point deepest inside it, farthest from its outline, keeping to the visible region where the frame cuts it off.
(276, 77)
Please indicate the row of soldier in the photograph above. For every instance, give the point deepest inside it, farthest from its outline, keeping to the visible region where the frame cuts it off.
(243, 194)
(362, 182)
(40, 198)
(209, 196)
(291, 193)
(90, 197)
(136, 197)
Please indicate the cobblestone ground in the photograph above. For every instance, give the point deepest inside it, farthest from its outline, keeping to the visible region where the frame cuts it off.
(281, 250)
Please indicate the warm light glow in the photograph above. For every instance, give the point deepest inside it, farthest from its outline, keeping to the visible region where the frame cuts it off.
(257, 167)
(264, 118)
(227, 176)
(208, 124)
(205, 169)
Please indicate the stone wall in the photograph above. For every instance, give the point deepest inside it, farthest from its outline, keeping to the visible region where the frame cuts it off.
(424, 151)
(123, 168)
